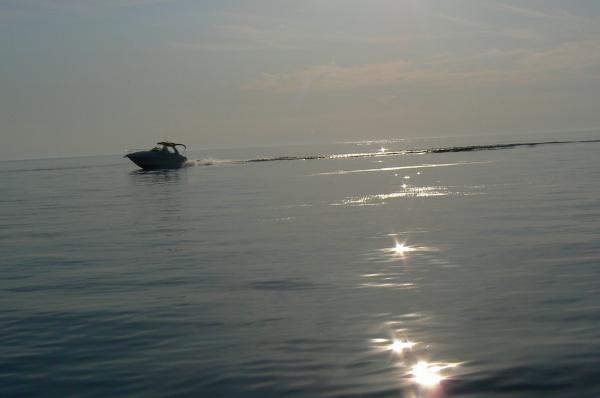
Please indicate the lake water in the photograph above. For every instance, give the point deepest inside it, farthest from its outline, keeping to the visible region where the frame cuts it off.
(457, 274)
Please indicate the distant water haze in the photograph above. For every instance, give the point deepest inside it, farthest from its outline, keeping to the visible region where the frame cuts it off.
(432, 274)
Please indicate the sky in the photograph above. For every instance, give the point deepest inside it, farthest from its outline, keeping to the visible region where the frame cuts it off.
(100, 76)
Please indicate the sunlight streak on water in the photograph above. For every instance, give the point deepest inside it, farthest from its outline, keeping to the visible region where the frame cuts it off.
(422, 166)
(419, 375)
(390, 285)
(401, 345)
(407, 192)
(411, 358)
(402, 252)
(426, 374)
(429, 375)
(379, 199)
(401, 248)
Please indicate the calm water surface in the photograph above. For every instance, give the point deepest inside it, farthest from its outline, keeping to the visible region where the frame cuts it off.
(467, 274)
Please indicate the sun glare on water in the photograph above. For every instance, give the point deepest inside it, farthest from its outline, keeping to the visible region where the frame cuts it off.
(429, 375)
(426, 374)
(400, 346)
(401, 249)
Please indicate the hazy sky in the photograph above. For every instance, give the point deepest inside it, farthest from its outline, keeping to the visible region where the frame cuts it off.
(100, 76)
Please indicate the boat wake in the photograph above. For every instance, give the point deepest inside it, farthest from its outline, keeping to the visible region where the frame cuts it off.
(207, 162)
(386, 153)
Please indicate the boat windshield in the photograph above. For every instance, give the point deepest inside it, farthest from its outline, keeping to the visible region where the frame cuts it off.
(164, 149)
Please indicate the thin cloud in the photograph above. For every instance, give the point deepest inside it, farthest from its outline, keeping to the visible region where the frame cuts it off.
(572, 56)
(240, 38)
(485, 69)
(462, 21)
(85, 7)
(488, 29)
(230, 38)
(336, 78)
(546, 14)
(228, 46)
(330, 77)
(91, 3)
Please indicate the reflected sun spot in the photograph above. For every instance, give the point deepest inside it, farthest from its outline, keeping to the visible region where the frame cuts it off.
(426, 375)
(379, 341)
(401, 249)
(400, 346)
(429, 375)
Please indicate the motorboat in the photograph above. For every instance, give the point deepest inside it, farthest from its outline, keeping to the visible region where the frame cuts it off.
(163, 156)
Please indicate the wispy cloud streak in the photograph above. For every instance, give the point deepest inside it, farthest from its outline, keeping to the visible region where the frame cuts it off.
(487, 68)
(547, 13)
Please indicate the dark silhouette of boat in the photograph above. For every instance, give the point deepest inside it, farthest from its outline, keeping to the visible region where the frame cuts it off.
(163, 156)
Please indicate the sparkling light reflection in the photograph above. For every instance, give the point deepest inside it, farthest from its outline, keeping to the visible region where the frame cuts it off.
(417, 376)
(389, 285)
(407, 192)
(422, 166)
(400, 346)
(409, 356)
(401, 249)
(398, 251)
(426, 374)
